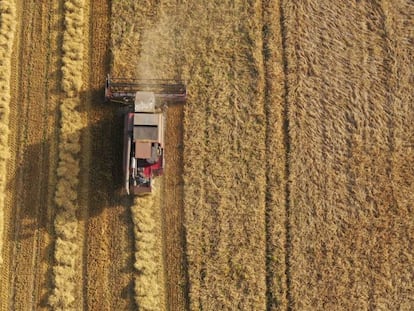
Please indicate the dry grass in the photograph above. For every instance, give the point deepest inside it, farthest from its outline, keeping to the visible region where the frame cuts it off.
(67, 251)
(7, 33)
(350, 112)
(149, 283)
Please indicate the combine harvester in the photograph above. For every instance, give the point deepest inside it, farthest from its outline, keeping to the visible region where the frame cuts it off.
(143, 156)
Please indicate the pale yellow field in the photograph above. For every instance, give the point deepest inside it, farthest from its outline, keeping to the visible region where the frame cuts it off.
(288, 181)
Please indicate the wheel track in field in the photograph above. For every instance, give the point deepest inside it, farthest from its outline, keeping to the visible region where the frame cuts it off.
(85, 141)
(277, 153)
(287, 143)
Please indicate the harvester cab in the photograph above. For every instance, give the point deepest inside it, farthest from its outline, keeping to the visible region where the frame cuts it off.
(144, 125)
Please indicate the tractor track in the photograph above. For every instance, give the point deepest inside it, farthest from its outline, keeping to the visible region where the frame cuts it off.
(287, 146)
(277, 153)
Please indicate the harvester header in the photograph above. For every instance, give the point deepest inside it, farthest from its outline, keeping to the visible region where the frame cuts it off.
(122, 90)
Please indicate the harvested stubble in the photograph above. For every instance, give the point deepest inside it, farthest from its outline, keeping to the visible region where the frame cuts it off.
(7, 33)
(350, 71)
(67, 249)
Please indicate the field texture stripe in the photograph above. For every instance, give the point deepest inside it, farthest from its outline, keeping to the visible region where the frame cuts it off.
(289, 61)
(67, 249)
(195, 139)
(276, 156)
(53, 98)
(232, 211)
(81, 290)
(7, 33)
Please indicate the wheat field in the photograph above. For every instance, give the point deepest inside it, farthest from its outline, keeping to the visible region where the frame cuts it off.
(288, 182)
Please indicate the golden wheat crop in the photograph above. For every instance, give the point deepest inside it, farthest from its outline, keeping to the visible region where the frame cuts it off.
(66, 197)
(129, 19)
(350, 113)
(7, 33)
(149, 284)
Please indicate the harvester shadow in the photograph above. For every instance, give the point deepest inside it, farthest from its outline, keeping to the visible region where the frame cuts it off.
(101, 172)
(33, 207)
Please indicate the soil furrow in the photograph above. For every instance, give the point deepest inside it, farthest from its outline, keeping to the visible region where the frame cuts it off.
(85, 159)
(286, 243)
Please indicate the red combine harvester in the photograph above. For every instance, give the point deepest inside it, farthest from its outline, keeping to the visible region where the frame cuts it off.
(143, 156)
